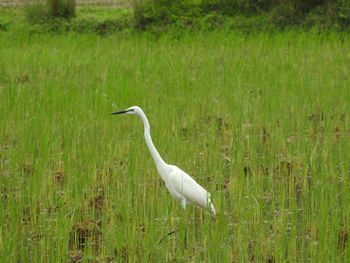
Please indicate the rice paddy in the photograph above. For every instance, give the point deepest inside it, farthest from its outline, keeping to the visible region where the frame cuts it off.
(261, 121)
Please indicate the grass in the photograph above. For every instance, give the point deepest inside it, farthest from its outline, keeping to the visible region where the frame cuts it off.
(261, 121)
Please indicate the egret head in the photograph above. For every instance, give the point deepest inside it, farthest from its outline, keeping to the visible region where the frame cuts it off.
(131, 110)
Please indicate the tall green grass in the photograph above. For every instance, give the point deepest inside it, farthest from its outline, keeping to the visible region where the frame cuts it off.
(261, 121)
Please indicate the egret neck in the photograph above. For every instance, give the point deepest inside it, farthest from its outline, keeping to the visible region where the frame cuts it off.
(156, 157)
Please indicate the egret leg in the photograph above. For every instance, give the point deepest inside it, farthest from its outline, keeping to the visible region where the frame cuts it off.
(185, 221)
(183, 202)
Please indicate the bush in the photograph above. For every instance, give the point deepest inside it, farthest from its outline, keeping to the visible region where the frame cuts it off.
(161, 12)
(36, 13)
(6, 17)
(329, 17)
(61, 8)
(286, 14)
(236, 7)
(39, 13)
(90, 20)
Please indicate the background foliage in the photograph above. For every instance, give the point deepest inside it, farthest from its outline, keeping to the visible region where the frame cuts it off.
(158, 16)
(280, 13)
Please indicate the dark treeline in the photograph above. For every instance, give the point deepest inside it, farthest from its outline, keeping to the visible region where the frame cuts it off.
(280, 13)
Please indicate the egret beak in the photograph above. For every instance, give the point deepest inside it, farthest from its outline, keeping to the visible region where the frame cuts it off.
(120, 112)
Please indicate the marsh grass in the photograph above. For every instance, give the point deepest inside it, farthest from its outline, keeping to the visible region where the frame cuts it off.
(261, 121)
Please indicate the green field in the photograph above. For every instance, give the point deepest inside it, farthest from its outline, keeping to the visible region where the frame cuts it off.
(261, 121)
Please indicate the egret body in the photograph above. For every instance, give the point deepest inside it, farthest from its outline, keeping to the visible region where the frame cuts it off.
(180, 185)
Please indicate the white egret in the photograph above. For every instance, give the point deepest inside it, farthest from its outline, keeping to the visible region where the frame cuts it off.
(180, 185)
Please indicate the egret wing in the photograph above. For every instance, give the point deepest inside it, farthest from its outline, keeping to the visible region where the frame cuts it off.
(186, 186)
